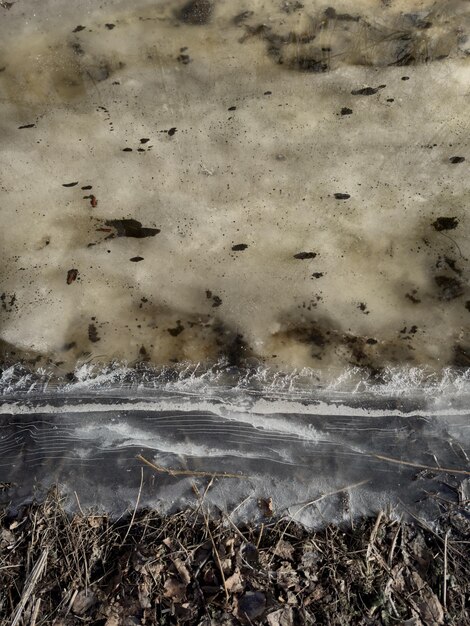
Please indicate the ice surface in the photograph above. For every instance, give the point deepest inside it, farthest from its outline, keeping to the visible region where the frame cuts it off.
(234, 239)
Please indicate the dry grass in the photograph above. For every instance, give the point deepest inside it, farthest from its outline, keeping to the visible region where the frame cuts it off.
(189, 568)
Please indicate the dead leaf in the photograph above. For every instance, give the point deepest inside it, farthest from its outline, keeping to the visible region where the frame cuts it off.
(284, 549)
(7, 538)
(266, 506)
(234, 582)
(282, 617)
(174, 589)
(430, 609)
(144, 590)
(287, 578)
(83, 601)
(113, 620)
(182, 571)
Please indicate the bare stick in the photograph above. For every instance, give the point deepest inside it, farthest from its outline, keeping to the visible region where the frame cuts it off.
(30, 583)
(136, 506)
(173, 472)
(79, 505)
(372, 538)
(330, 493)
(444, 594)
(34, 616)
(217, 558)
(390, 459)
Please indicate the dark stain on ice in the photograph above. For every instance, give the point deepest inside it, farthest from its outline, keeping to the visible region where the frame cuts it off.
(174, 332)
(404, 59)
(366, 91)
(239, 246)
(77, 29)
(236, 351)
(72, 276)
(26, 126)
(461, 356)
(196, 12)
(241, 17)
(445, 223)
(346, 111)
(305, 255)
(93, 333)
(317, 274)
(172, 131)
(184, 59)
(449, 287)
(110, 26)
(331, 14)
(77, 48)
(308, 64)
(69, 184)
(445, 261)
(457, 159)
(412, 296)
(216, 301)
(136, 259)
(131, 228)
(342, 196)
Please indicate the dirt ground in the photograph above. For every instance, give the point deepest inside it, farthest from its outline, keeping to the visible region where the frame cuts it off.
(192, 568)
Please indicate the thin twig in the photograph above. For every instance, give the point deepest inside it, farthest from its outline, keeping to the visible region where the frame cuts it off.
(330, 493)
(217, 558)
(174, 472)
(390, 459)
(136, 506)
(79, 505)
(394, 543)
(372, 538)
(34, 616)
(444, 593)
(30, 583)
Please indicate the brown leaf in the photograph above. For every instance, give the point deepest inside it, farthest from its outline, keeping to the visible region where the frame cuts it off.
(7, 538)
(284, 549)
(287, 578)
(430, 609)
(282, 617)
(144, 593)
(182, 571)
(83, 601)
(266, 506)
(174, 589)
(234, 582)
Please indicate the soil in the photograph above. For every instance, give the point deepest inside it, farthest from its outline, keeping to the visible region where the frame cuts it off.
(194, 568)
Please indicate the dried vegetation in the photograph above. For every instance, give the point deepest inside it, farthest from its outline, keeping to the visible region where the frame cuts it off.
(189, 568)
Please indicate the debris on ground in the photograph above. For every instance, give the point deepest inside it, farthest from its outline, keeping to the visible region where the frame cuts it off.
(194, 568)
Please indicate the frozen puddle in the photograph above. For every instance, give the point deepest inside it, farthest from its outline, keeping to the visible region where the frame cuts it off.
(345, 454)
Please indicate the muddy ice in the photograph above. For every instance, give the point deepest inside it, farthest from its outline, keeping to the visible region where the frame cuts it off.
(274, 183)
